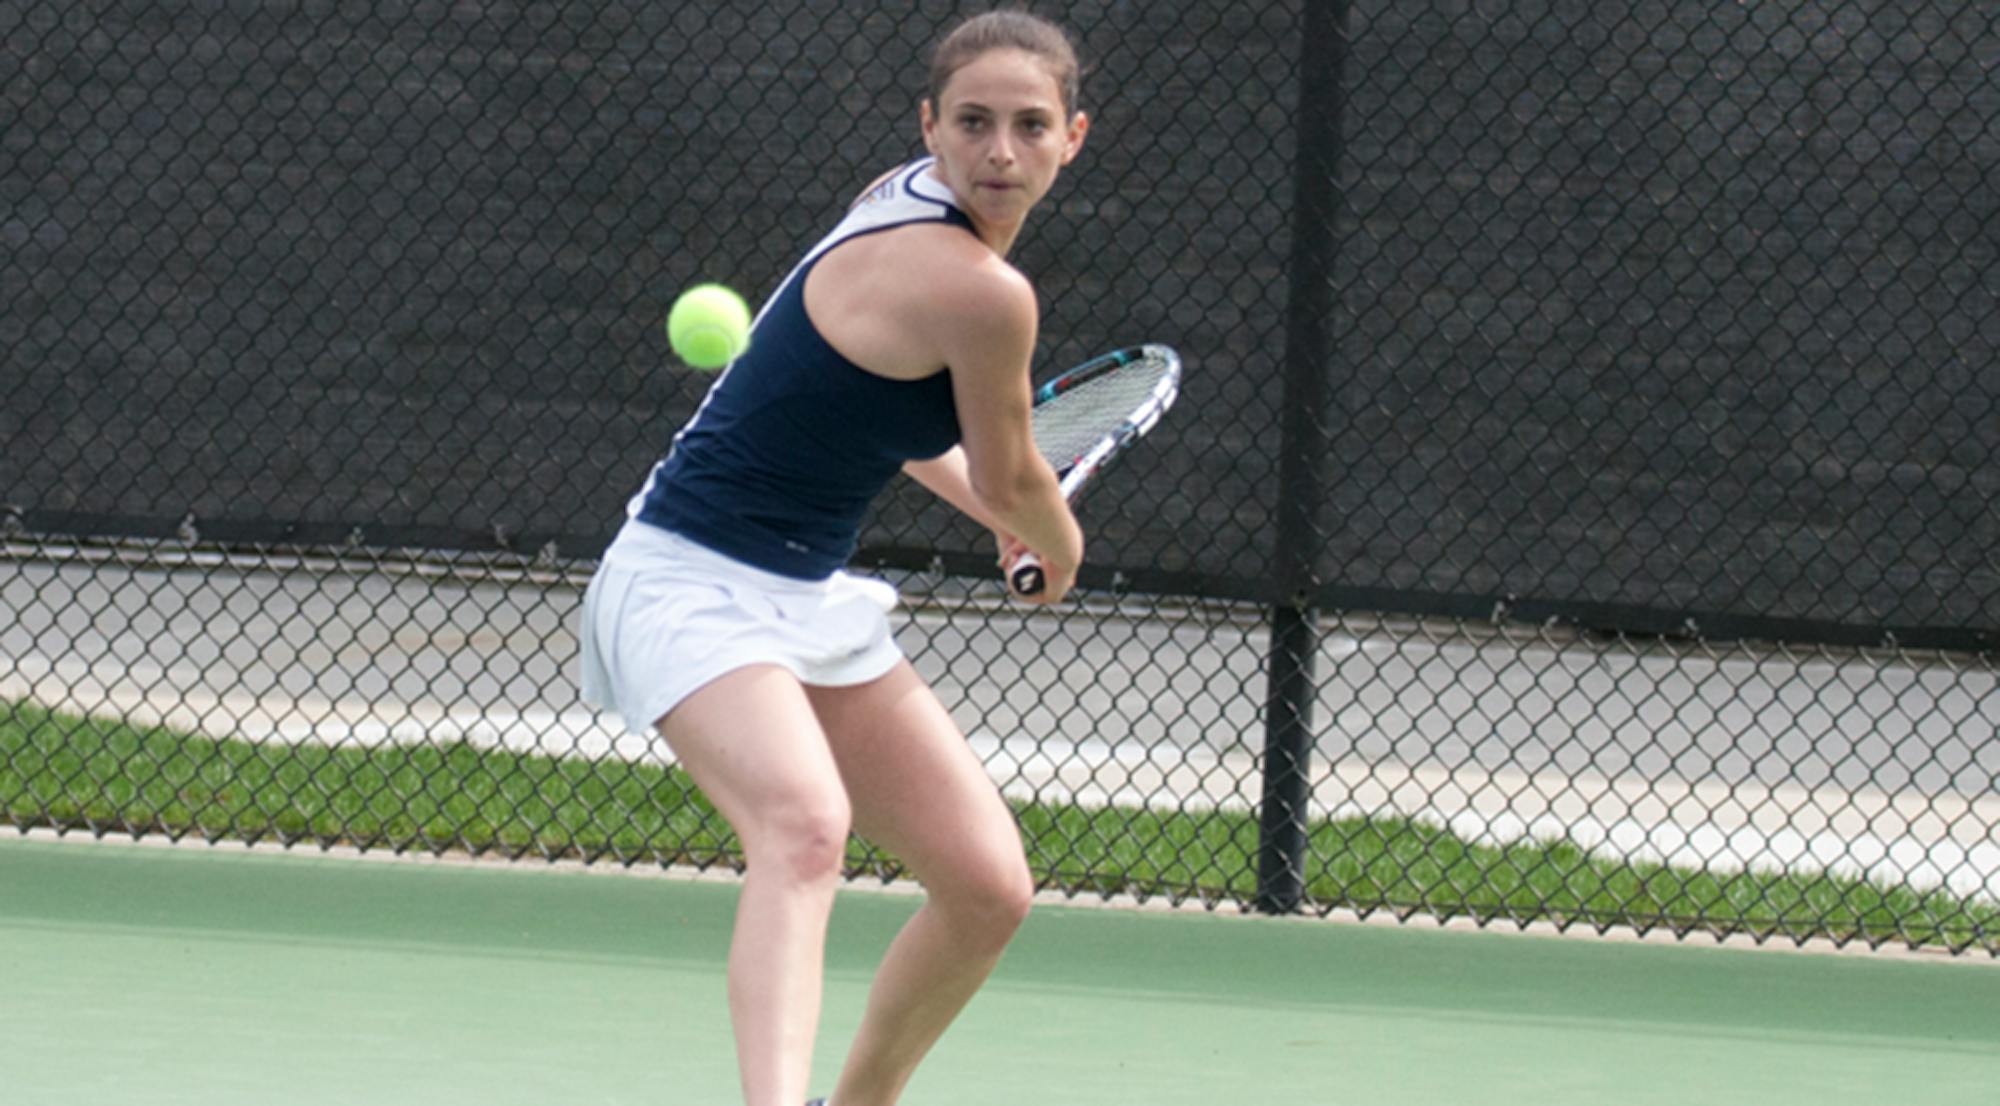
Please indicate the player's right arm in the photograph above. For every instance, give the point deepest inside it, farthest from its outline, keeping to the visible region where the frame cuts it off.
(981, 317)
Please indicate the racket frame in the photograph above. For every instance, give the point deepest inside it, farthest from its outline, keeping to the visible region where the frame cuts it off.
(1026, 577)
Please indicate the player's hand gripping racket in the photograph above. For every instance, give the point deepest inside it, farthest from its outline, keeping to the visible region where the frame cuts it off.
(1089, 415)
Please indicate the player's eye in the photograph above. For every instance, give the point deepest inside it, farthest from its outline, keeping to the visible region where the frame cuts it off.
(1036, 126)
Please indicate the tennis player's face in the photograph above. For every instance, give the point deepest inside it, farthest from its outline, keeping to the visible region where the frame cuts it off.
(1000, 134)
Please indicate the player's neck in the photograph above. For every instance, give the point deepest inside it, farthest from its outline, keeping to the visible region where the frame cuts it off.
(999, 237)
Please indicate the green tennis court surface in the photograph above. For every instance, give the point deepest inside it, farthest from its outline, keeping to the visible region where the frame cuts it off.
(161, 976)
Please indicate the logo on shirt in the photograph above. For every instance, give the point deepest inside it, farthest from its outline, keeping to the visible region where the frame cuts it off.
(884, 191)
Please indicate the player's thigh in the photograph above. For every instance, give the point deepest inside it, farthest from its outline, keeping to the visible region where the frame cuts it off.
(917, 788)
(752, 742)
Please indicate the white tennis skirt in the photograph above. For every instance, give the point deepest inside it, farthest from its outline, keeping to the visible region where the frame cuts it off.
(665, 616)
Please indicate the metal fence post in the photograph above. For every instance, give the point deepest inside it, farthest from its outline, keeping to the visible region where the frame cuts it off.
(1288, 714)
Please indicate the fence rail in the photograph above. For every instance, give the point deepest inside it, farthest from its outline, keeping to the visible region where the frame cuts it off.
(1582, 504)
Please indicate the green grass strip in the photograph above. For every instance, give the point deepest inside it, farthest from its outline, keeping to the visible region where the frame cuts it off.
(105, 776)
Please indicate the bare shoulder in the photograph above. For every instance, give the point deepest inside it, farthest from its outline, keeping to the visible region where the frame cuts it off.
(979, 311)
(969, 285)
(909, 301)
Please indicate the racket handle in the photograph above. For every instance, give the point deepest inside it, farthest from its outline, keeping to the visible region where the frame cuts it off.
(1027, 577)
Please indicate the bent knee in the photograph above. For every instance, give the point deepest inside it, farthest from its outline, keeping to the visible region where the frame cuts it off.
(992, 902)
(806, 841)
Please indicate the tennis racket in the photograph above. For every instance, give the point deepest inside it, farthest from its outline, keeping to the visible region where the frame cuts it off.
(1090, 414)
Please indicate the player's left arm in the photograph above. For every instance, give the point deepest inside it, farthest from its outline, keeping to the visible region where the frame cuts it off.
(949, 478)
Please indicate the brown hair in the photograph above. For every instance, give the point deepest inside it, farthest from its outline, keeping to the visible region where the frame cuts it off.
(1008, 30)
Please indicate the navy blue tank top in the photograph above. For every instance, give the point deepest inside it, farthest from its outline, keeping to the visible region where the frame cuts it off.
(794, 441)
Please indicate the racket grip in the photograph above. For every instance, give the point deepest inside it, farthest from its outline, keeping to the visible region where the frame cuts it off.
(1027, 577)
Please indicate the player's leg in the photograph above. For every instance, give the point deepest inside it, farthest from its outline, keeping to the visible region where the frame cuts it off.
(918, 791)
(752, 744)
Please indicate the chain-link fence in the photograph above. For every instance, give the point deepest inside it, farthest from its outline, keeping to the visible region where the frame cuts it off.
(1582, 505)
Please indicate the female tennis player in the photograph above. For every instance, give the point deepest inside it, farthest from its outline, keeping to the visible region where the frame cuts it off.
(720, 614)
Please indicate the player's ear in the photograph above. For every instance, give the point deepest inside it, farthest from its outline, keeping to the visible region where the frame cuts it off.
(927, 120)
(1079, 125)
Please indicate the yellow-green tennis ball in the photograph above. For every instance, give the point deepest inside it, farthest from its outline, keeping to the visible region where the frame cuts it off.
(709, 326)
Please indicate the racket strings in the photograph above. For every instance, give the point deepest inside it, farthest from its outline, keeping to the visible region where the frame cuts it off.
(1069, 425)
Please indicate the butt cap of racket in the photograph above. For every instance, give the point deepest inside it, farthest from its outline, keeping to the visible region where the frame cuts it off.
(1026, 578)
